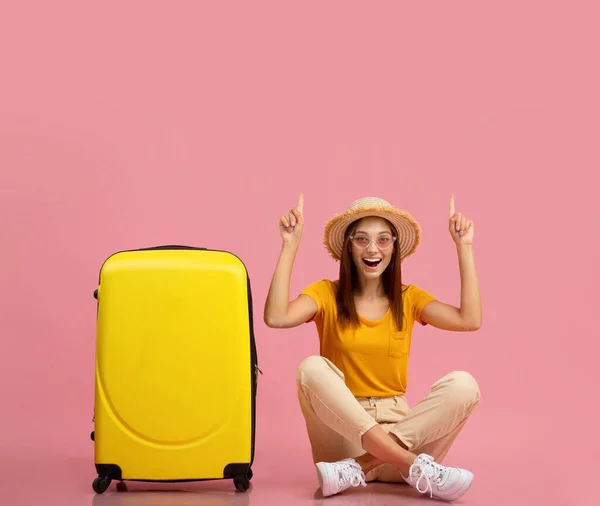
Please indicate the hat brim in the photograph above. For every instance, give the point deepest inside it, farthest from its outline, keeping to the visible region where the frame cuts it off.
(409, 232)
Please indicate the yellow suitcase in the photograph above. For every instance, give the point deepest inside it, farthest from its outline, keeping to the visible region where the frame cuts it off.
(176, 368)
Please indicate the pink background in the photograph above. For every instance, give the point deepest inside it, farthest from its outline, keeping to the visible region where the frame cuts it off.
(132, 124)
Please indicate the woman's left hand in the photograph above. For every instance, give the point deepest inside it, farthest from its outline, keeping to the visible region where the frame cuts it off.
(461, 228)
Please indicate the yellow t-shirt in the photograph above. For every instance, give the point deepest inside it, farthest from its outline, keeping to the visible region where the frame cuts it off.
(373, 356)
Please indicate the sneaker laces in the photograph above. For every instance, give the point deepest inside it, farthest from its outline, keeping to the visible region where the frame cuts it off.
(428, 471)
(350, 474)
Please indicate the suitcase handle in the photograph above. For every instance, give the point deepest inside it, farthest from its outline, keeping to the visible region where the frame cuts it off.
(171, 246)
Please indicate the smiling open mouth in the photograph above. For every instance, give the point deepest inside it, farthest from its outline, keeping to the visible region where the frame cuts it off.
(372, 263)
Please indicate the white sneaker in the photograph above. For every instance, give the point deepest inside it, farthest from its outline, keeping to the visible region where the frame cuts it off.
(446, 483)
(335, 477)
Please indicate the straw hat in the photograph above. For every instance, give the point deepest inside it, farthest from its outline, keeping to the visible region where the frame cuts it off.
(409, 232)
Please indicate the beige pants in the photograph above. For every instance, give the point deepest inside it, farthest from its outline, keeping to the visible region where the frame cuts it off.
(336, 420)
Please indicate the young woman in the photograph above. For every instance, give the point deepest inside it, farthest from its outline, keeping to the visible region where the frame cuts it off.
(359, 424)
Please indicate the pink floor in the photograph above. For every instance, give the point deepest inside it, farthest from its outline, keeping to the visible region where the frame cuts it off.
(505, 474)
(67, 483)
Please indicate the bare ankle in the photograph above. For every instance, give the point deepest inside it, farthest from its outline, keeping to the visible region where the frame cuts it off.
(367, 462)
(379, 443)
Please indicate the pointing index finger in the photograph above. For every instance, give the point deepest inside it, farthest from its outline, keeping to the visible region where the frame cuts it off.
(452, 206)
(301, 203)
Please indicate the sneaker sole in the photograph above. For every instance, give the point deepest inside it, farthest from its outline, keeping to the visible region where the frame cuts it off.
(324, 477)
(461, 491)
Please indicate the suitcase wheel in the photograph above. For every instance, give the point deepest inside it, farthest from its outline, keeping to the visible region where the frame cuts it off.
(121, 487)
(100, 485)
(242, 481)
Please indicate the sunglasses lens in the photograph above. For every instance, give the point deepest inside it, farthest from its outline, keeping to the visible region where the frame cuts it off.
(382, 242)
(361, 242)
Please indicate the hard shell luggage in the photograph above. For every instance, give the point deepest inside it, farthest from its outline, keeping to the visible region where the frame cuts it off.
(176, 368)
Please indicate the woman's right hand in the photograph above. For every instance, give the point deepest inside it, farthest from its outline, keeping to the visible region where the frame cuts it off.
(279, 311)
(291, 224)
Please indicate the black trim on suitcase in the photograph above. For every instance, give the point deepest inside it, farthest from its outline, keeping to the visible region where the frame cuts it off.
(110, 471)
(113, 472)
(240, 473)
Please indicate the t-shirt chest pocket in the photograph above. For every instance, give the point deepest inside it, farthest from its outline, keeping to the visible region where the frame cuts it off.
(399, 344)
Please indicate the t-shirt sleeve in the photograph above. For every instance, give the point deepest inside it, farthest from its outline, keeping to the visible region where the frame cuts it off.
(319, 292)
(419, 298)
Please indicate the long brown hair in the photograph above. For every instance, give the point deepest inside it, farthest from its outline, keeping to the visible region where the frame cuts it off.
(348, 282)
